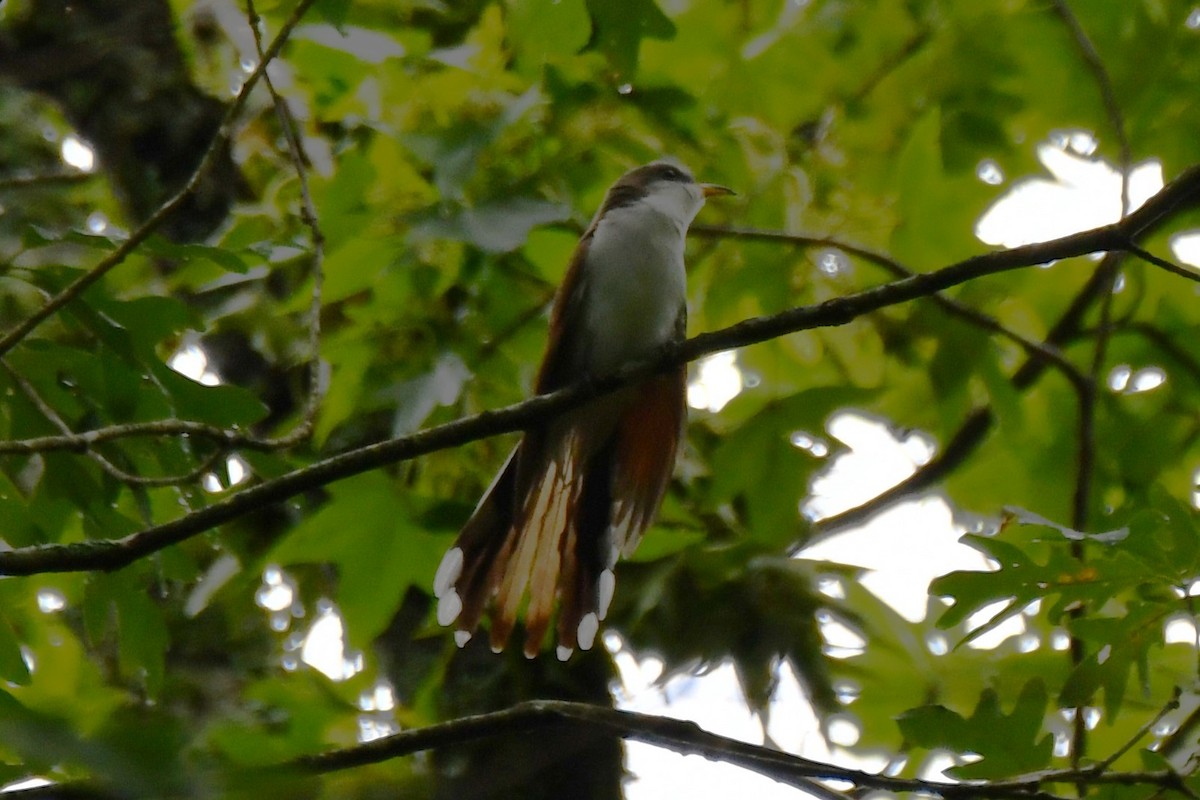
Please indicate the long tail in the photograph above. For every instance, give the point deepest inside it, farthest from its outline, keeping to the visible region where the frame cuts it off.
(557, 517)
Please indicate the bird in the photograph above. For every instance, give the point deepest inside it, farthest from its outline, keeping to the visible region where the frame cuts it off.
(579, 489)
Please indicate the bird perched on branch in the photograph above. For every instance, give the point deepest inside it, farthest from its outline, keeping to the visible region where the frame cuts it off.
(579, 490)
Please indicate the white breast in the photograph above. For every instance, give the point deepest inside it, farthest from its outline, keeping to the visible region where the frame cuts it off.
(635, 285)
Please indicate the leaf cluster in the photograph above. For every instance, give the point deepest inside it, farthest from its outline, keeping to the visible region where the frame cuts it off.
(410, 190)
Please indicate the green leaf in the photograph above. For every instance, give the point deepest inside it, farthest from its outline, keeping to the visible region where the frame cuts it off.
(1026, 517)
(367, 531)
(757, 609)
(335, 12)
(40, 739)
(1055, 571)
(224, 405)
(1019, 581)
(18, 528)
(1164, 537)
(495, 228)
(12, 663)
(661, 542)
(1118, 645)
(1010, 744)
(618, 30)
(939, 209)
(757, 464)
(292, 721)
(228, 260)
(141, 632)
(542, 31)
(351, 360)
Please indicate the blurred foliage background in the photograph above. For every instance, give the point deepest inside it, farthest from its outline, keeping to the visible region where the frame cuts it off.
(455, 150)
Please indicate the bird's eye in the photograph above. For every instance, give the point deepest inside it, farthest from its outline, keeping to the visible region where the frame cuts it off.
(670, 173)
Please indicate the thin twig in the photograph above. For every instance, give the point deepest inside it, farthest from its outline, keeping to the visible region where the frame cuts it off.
(1183, 736)
(1085, 466)
(52, 416)
(308, 213)
(1168, 707)
(1108, 96)
(1166, 344)
(1158, 261)
(22, 329)
(44, 179)
(891, 64)
(83, 440)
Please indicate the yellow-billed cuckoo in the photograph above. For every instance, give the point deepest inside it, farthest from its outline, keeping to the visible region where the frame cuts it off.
(579, 490)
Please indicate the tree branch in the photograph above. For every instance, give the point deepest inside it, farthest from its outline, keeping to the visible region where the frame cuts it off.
(681, 736)
(951, 306)
(1162, 263)
(974, 428)
(690, 739)
(1183, 193)
(109, 554)
(82, 441)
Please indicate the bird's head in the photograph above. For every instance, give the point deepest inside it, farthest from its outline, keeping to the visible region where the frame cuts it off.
(666, 187)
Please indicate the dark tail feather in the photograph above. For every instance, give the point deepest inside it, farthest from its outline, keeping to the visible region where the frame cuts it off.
(471, 569)
(587, 552)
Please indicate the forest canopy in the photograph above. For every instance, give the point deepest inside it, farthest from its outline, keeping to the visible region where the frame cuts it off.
(275, 284)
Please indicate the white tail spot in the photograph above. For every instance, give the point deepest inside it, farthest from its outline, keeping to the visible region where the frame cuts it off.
(461, 638)
(449, 607)
(608, 582)
(587, 630)
(563, 653)
(448, 572)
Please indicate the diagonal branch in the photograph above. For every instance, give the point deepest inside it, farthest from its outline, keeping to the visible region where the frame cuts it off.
(972, 431)
(1138, 224)
(895, 268)
(109, 554)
